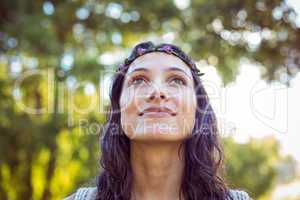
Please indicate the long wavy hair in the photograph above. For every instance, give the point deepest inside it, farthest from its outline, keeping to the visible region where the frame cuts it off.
(203, 154)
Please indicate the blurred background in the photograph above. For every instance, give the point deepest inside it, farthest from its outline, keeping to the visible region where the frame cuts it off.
(56, 62)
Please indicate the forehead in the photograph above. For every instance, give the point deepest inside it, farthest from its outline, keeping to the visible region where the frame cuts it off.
(158, 61)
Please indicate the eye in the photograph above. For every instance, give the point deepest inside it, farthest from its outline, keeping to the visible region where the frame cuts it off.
(178, 80)
(137, 80)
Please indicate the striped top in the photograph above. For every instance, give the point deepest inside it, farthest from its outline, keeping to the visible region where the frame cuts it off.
(89, 193)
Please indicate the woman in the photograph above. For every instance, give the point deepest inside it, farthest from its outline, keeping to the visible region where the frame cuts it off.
(160, 141)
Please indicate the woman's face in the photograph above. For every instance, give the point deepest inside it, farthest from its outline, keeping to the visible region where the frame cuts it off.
(158, 100)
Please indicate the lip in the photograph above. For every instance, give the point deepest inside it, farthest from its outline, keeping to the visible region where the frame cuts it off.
(158, 112)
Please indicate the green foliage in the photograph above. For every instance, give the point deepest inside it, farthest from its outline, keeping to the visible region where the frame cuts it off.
(46, 154)
(252, 166)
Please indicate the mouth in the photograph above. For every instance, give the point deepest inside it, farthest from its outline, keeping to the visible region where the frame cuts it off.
(158, 112)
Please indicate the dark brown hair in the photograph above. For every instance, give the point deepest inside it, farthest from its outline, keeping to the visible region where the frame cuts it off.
(203, 154)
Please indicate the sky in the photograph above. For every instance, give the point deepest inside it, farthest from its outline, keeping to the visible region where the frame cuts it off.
(250, 107)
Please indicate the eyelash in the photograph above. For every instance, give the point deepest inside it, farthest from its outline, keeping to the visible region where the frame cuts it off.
(179, 78)
(139, 77)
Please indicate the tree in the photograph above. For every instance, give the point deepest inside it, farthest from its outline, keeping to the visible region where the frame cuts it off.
(67, 42)
(252, 166)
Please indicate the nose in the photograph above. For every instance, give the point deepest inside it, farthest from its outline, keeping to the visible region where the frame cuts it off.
(157, 94)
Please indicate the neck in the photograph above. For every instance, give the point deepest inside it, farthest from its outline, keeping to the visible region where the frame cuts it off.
(157, 170)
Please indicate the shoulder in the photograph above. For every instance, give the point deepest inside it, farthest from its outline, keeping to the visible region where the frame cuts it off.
(71, 197)
(236, 194)
(89, 193)
(84, 193)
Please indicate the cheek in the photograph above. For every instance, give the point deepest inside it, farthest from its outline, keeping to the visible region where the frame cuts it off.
(125, 103)
(128, 101)
(125, 98)
(132, 101)
(187, 104)
(129, 108)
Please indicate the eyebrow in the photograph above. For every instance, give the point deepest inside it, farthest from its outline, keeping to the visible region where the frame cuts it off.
(168, 69)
